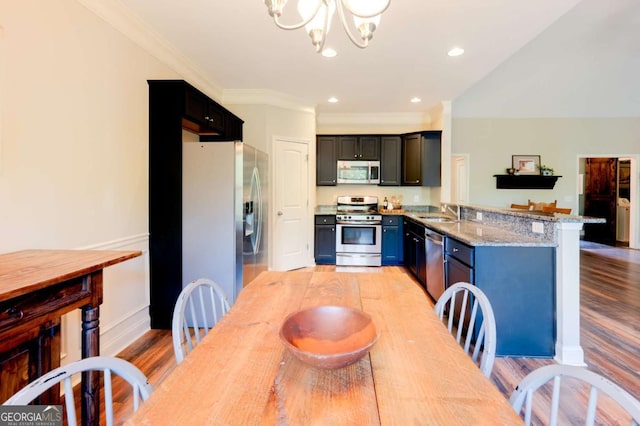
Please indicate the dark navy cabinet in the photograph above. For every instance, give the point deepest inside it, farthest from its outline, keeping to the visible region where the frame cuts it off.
(392, 240)
(415, 256)
(359, 148)
(326, 160)
(325, 240)
(520, 284)
(390, 160)
(421, 158)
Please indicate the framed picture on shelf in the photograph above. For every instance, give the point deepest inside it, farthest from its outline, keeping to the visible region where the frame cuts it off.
(526, 164)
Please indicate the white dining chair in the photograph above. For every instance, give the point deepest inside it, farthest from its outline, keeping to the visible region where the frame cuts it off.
(476, 325)
(107, 365)
(523, 395)
(199, 307)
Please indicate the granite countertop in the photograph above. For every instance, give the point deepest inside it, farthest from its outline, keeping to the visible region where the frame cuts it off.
(480, 233)
(540, 215)
(491, 232)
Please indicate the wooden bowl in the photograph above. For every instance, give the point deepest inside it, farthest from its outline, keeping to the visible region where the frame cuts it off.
(328, 336)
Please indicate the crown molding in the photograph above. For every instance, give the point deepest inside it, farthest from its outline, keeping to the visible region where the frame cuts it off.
(400, 118)
(265, 97)
(115, 14)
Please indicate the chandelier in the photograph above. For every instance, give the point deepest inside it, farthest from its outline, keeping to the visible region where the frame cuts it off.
(316, 18)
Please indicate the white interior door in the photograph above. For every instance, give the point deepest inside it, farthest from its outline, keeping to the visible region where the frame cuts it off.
(292, 218)
(459, 179)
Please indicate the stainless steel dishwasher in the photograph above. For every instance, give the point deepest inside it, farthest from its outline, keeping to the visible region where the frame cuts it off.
(434, 246)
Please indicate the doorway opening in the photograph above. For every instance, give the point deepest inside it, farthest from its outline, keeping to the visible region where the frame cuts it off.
(605, 189)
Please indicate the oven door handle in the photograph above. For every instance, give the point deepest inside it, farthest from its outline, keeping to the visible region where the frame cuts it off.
(359, 223)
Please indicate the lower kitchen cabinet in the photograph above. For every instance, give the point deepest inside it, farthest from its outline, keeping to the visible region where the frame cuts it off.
(520, 284)
(325, 240)
(415, 256)
(392, 240)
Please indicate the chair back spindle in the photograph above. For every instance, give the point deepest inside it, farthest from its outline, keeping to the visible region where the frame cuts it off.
(200, 305)
(107, 365)
(522, 397)
(477, 328)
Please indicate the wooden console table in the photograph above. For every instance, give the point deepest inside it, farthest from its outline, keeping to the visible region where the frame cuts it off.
(36, 288)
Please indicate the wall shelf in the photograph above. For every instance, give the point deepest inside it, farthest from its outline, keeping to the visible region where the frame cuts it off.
(525, 181)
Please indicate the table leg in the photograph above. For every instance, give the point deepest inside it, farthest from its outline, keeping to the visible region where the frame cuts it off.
(91, 379)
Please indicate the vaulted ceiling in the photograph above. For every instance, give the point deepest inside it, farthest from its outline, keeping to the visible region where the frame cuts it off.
(237, 46)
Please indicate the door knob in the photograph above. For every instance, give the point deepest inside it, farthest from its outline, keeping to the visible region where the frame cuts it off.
(280, 213)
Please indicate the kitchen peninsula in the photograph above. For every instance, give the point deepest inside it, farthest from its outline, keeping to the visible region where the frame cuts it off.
(487, 226)
(529, 263)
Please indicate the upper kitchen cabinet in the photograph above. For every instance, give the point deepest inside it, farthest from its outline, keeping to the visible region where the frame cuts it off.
(421, 158)
(206, 116)
(390, 160)
(365, 148)
(326, 160)
(198, 113)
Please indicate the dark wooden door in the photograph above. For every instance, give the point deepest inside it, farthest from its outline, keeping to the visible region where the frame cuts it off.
(390, 160)
(369, 148)
(600, 199)
(326, 165)
(411, 160)
(348, 148)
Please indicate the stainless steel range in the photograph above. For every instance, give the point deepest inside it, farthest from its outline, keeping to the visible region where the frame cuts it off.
(359, 232)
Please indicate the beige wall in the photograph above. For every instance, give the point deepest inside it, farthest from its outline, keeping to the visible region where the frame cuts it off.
(560, 142)
(73, 162)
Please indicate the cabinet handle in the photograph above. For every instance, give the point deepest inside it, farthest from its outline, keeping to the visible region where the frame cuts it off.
(12, 313)
(455, 250)
(384, 230)
(333, 229)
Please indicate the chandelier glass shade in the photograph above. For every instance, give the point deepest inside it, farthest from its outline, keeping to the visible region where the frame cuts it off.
(316, 17)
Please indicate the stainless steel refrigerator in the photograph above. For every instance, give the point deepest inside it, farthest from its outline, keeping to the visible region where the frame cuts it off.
(224, 205)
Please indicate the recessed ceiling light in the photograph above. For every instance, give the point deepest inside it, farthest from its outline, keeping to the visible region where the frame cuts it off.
(333, 100)
(329, 52)
(415, 100)
(456, 51)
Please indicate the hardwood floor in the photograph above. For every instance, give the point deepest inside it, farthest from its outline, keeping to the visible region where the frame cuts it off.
(610, 324)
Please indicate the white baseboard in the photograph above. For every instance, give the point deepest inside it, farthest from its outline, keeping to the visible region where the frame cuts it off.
(120, 335)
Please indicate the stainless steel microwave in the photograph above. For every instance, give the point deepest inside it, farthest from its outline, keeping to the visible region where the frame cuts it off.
(359, 172)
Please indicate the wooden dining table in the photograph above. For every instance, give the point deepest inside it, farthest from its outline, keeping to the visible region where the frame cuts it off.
(37, 287)
(241, 374)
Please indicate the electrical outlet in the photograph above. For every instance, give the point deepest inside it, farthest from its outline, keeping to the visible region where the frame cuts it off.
(537, 227)
(478, 216)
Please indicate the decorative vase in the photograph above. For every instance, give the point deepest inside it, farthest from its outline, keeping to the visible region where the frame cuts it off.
(546, 173)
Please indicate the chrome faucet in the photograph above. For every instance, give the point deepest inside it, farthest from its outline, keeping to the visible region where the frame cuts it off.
(446, 208)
